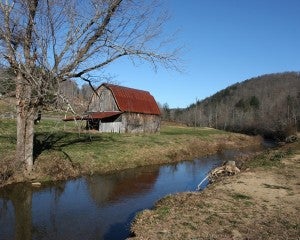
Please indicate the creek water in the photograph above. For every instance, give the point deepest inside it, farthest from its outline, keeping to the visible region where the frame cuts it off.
(99, 206)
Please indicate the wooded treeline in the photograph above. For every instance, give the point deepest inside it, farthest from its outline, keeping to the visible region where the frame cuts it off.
(267, 105)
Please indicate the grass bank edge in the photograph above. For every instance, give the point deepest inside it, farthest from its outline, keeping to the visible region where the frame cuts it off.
(67, 148)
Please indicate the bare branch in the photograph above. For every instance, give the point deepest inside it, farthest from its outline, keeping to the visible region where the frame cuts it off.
(98, 33)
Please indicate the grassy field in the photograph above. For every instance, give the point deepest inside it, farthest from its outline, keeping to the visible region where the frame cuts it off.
(64, 149)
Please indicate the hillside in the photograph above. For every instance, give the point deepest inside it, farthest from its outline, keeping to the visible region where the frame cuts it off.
(268, 105)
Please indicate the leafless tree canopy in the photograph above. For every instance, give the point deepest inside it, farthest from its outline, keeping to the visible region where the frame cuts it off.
(46, 42)
(51, 40)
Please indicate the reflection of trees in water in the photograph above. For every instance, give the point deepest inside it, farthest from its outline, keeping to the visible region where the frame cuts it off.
(111, 188)
(4, 207)
(58, 190)
(40, 230)
(103, 189)
(21, 197)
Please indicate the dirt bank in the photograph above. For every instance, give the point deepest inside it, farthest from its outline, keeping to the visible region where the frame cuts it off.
(262, 202)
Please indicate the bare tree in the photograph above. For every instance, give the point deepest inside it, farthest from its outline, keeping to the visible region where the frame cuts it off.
(46, 42)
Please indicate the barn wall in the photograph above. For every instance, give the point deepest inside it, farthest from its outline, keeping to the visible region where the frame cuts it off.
(104, 102)
(138, 123)
(112, 124)
(132, 123)
(115, 127)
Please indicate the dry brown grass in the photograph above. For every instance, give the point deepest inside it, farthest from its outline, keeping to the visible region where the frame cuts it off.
(260, 203)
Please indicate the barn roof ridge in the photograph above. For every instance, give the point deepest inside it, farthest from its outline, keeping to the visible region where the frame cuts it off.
(133, 100)
(119, 86)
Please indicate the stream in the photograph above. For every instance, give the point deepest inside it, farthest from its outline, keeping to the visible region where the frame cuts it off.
(99, 206)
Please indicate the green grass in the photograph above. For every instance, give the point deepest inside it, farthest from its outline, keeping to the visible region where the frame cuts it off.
(189, 131)
(269, 159)
(163, 211)
(7, 136)
(7, 127)
(103, 152)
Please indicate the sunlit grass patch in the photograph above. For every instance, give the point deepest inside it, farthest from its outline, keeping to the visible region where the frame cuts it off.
(8, 127)
(191, 131)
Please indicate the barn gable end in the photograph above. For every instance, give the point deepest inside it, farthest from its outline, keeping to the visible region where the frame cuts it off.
(103, 101)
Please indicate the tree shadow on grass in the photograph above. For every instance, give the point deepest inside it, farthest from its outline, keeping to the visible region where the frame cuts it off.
(57, 141)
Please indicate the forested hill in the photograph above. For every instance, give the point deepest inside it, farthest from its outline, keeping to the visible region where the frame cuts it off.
(269, 105)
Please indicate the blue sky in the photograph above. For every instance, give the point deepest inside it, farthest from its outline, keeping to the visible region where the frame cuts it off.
(225, 41)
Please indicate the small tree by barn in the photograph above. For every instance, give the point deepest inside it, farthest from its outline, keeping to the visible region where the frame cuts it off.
(45, 42)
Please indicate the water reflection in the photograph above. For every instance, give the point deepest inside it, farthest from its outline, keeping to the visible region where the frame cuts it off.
(115, 187)
(97, 207)
(16, 220)
(20, 197)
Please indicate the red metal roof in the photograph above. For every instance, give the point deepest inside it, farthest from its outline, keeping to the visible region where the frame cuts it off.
(101, 115)
(133, 100)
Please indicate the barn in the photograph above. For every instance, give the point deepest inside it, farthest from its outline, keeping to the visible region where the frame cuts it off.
(114, 108)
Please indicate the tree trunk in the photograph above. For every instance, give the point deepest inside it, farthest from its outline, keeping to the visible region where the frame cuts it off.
(25, 132)
(25, 125)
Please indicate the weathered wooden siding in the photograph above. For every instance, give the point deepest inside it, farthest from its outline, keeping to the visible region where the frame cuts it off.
(132, 123)
(105, 101)
(137, 123)
(115, 127)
